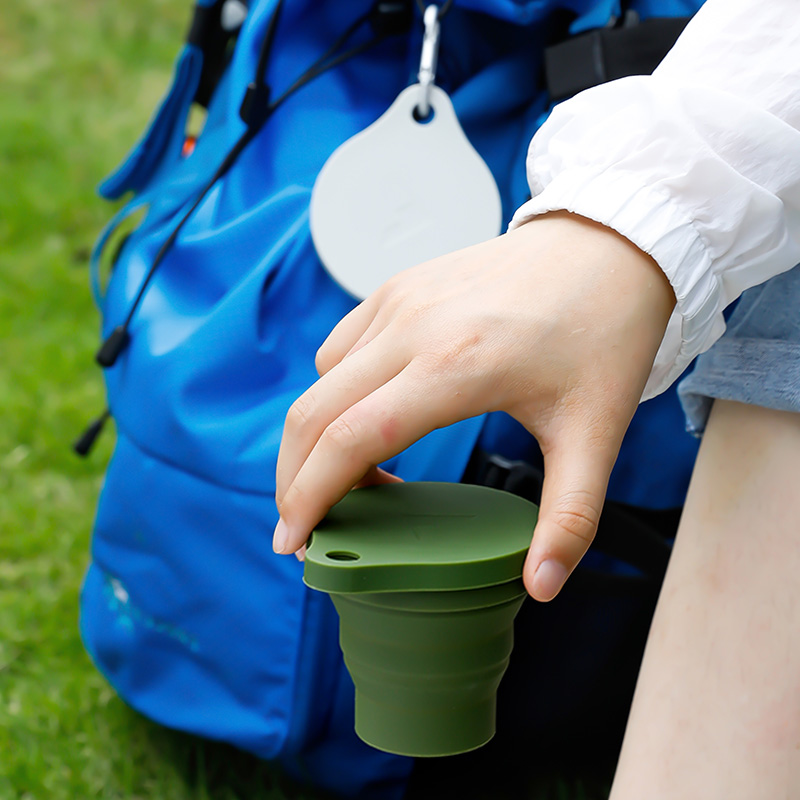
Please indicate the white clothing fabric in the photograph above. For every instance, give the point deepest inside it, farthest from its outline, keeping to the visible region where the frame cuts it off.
(698, 165)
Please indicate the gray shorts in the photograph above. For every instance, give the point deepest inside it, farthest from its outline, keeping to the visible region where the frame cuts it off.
(757, 360)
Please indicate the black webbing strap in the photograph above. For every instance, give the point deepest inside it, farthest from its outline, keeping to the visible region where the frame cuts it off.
(207, 33)
(620, 534)
(606, 54)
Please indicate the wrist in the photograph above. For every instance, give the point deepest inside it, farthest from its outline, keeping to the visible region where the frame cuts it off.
(630, 270)
(608, 287)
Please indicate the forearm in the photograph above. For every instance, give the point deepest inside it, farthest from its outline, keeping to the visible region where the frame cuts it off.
(717, 708)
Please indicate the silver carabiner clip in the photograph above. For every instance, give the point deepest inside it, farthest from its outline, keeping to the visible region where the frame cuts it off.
(427, 63)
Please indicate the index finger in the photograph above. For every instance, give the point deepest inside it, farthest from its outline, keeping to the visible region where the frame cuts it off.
(337, 390)
(379, 426)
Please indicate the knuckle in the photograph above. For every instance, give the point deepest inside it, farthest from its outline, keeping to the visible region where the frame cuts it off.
(577, 515)
(390, 287)
(301, 413)
(392, 296)
(452, 357)
(343, 434)
(293, 500)
(415, 313)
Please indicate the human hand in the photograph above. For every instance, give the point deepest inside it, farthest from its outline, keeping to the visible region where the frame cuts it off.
(557, 323)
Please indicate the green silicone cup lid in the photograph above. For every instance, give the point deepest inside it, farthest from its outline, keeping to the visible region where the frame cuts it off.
(420, 537)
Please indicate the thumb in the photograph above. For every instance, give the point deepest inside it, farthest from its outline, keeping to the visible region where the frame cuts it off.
(574, 488)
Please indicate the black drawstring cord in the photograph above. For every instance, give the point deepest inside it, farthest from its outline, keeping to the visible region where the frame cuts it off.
(254, 109)
(328, 60)
(387, 18)
(117, 340)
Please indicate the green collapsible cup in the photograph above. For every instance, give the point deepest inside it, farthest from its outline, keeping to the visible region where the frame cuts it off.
(426, 578)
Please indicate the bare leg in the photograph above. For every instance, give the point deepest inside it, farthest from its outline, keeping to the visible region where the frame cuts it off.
(716, 712)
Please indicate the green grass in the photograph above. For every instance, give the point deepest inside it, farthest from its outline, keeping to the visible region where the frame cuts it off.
(79, 80)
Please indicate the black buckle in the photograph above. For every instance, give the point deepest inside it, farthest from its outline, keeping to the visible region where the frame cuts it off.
(626, 47)
(496, 472)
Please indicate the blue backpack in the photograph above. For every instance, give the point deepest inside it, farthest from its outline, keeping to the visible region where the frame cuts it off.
(213, 310)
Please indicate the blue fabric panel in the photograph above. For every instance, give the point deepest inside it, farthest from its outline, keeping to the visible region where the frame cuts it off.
(221, 634)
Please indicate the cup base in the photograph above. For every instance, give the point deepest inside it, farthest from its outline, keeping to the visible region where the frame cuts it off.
(420, 734)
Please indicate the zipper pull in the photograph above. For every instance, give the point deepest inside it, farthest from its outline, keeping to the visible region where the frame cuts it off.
(84, 444)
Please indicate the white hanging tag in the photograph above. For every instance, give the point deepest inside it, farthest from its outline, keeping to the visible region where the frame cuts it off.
(402, 192)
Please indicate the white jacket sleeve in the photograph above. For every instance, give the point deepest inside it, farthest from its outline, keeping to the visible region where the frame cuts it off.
(698, 165)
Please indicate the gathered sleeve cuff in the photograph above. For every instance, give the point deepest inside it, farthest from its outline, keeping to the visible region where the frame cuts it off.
(698, 165)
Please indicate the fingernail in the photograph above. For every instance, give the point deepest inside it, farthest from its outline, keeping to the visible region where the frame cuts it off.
(280, 537)
(300, 555)
(548, 580)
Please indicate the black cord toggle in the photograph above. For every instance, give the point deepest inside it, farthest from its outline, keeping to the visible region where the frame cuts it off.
(255, 107)
(116, 342)
(83, 445)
